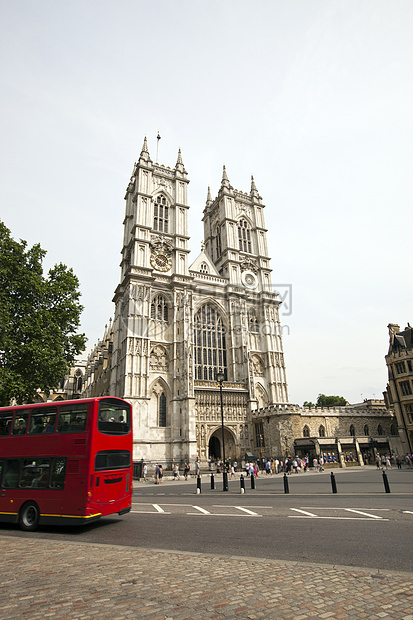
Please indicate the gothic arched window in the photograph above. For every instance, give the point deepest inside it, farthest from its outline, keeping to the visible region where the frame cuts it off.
(162, 410)
(321, 431)
(352, 430)
(380, 430)
(204, 268)
(159, 309)
(253, 322)
(210, 344)
(218, 241)
(393, 430)
(306, 431)
(160, 214)
(244, 236)
(366, 430)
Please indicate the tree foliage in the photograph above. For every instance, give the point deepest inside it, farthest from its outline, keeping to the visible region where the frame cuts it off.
(39, 317)
(330, 401)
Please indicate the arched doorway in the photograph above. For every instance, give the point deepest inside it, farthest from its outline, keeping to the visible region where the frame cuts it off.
(215, 445)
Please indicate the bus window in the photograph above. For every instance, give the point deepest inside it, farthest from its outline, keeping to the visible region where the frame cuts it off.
(11, 474)
(5, 422)
(113, 418)
(1, 470)
(20, 422)
(43, 420)
(72, 418)
(57, 480)
(35, 473)
(112, 459)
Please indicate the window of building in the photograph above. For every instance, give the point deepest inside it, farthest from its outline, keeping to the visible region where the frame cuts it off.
(259, 435)
(253, 322)
(159, 309)
(244, 236)
(405, 388)
(321, 431)
(409, 365)
(218, 243)
(161, 214)
(400, 367)
(409, 410)
(306, 431)
(366, 430)
(380, 430)
(162, 410)
(352, 431)
(204, 268)
(393, 430)
(210, 344)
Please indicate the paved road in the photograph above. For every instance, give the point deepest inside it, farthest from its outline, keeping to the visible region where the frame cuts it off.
(144, 565)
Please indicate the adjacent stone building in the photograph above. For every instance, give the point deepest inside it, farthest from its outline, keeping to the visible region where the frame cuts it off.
(399, 392)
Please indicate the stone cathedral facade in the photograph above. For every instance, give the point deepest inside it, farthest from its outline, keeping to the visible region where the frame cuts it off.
(177, 324)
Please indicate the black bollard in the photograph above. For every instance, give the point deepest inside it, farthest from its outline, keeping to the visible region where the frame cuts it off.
(212, 482)
(225, 480)
(333, 483)
(252, 481)
(198, 484)
(386, 482)
(242, 483)
(286, 489)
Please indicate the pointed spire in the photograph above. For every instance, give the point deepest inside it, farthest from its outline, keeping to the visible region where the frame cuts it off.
(179, 163)
(254, 191)
(225, 181)
(144, 152)
(209, 197)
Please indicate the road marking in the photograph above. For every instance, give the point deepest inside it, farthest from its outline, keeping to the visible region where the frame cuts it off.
(253, 514)
(205, 512)
(408, 512)
(158, 508)
(366, 514)
(308, 514)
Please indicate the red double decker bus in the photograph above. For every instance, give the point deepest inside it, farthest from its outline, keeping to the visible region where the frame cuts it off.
(65, 463)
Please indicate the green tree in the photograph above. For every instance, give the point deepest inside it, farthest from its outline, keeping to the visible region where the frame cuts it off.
(38, 319)
(308, 404)
(330, 401)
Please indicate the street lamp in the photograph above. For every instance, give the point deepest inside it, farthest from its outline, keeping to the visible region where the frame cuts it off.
(220, 376)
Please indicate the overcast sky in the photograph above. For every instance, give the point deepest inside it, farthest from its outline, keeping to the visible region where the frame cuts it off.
(312, 97)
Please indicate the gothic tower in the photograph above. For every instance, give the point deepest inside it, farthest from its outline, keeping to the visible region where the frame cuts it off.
(150, 362)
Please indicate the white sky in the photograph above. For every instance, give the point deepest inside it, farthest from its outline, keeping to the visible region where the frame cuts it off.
(313, 97)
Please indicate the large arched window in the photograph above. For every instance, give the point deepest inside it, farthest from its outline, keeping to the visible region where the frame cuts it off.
(218, 244)
(160, 214)
(366, 430)
(321, 431)
(380, 430)
(159, 309)
(162, 410)
(253, 322)
(210, 344)
(244, 236)
(352, 430)
(306, 431)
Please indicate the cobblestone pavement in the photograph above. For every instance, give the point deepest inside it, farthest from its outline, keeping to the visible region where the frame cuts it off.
(66, 581)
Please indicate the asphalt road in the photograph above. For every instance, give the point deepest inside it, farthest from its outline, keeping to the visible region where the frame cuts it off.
(361, 525)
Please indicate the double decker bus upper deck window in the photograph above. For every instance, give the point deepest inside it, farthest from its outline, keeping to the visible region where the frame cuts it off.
(6, 418)
(72, 418)
(20, 422)
(43, 420)
(113, 418)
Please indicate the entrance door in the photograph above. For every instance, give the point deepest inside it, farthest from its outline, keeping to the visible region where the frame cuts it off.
(214, 448)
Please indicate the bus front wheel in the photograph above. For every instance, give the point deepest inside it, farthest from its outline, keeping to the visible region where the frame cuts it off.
(29, 517)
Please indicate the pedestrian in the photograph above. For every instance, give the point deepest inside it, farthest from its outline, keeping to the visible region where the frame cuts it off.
(315, 463)
(321, 464)
(156, 474)
(388, 463)
(187, 469)
(197, 468)
(160, 474)
(144, 472)
(176, 472)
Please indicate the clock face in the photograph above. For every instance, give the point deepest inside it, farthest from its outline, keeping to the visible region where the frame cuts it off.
(249, 280)
(161, 262)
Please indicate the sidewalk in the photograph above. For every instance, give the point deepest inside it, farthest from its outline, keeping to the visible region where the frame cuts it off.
(67, 581)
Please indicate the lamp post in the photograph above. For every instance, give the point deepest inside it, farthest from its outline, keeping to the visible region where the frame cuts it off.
(220, 378)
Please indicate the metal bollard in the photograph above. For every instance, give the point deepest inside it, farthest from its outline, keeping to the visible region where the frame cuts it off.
(212, 482)
(386, 482)
(198, 484)
(242, 483)
(333, 483)
(286, 488)
(252, 481)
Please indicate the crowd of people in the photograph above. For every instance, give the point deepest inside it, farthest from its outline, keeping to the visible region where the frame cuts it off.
(269, 467)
